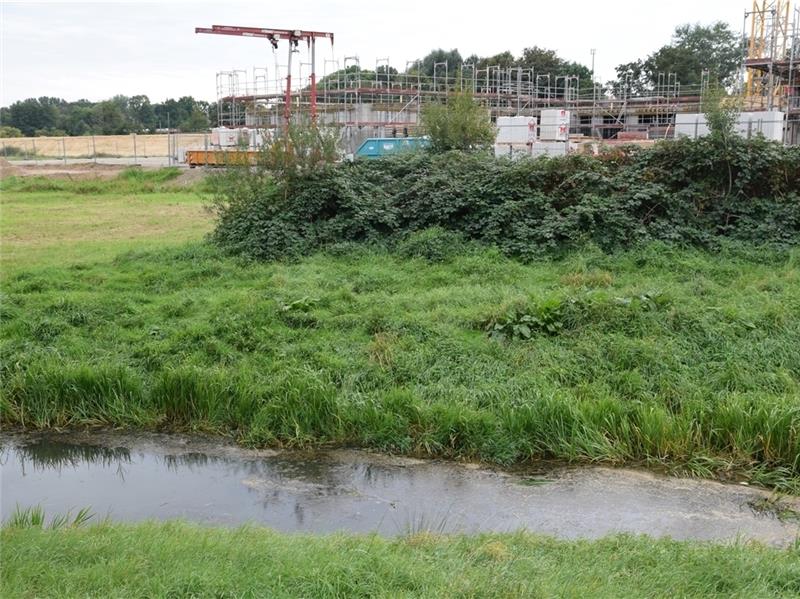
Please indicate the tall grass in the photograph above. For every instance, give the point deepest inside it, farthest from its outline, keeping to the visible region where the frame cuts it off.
(661, 356)
(34, 517)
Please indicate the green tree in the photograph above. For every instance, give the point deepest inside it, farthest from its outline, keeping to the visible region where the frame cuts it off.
(141, 113)
(693, 49)
(696, 48)
(634, 77)
(108, 118)
(34, 114)
(504, 60)
(544, 61)
(6, 131)
(76, 118)
(460, 124)
(721, 112)
(197, 121)
(451, 57)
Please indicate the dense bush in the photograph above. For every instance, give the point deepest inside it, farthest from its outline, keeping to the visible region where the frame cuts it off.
(686, 192)
(434, 244)
(459, 124)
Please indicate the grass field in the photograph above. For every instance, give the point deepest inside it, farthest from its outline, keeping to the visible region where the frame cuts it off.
(114, 312)
(49, 222)
(180, 560)
(675, 358)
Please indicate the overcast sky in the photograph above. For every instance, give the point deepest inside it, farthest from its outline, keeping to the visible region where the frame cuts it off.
(96, 50)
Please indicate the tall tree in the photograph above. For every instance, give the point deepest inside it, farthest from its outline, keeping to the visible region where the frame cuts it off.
(141, 113)
(197, 122)
(693, 49)
(451, 57)
(632, 75)
(461, 124)
(541, 60)
(109, 118)
(504, 60)
(32, 115)
(77, 118)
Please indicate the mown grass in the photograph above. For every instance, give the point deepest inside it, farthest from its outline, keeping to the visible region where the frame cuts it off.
(181, 560)
(668, 357)
(62, 222)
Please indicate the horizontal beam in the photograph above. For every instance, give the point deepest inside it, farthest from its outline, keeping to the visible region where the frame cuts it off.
(239, 34)
(266, 32)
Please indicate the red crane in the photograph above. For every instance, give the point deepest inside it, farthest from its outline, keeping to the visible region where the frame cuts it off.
(295, 36)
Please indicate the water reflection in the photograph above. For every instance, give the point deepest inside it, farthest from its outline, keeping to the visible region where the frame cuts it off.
(155, 477)
(48, 454)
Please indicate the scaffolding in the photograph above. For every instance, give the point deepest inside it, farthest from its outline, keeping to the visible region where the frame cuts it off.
(384, 101)
(772, 40)
(390, 100)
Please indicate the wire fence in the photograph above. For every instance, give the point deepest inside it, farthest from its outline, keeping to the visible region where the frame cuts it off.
(163, 148)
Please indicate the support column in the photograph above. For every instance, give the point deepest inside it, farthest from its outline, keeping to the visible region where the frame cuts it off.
(287, 108)
(313, 81)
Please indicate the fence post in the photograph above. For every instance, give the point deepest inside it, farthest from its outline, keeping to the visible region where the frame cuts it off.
(94, 150)
(33, 143)
(135, 157)
(63, 151)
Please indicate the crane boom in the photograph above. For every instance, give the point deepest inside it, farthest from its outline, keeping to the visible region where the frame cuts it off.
(294, 36)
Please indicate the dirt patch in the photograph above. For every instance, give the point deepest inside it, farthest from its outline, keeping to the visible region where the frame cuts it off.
(8, 170)
(188, 178)
(88, 170)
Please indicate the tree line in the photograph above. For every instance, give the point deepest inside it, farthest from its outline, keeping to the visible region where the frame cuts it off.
(116, 116)
(692, 50)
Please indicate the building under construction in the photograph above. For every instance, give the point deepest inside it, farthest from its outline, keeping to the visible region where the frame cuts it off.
(384, 100)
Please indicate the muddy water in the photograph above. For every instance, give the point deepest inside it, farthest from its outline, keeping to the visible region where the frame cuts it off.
(205, 480)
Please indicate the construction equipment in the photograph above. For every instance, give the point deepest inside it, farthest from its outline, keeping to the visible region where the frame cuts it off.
(771, 53)
(294, 36)
(221, 158)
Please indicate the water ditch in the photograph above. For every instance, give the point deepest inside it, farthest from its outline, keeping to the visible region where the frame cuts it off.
(133, 477)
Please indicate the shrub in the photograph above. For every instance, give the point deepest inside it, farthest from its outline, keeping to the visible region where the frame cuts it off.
(459, 124)
(688, 192)
(434, 244)
(6, 131)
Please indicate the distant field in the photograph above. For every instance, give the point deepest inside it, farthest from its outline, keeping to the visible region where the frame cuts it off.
(106, 145)
(64, 227)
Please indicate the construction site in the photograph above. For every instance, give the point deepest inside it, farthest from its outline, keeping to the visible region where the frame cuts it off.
(306, 81)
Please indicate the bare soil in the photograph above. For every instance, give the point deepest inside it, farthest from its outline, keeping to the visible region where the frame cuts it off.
(7, 169)
(88, 170)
